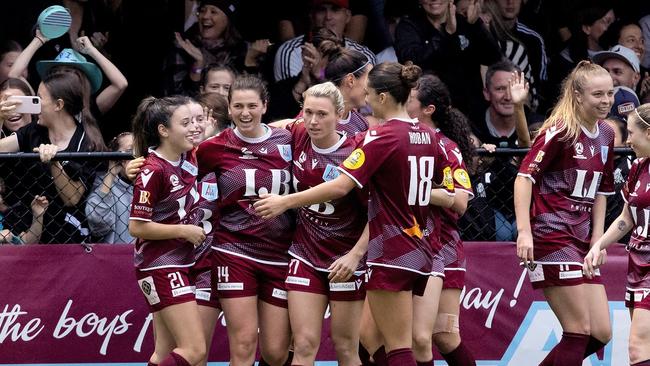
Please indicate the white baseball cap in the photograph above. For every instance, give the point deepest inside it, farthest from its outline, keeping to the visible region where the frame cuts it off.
(620, 52)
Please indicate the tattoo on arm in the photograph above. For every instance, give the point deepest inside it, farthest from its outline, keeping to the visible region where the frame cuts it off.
(621, 225)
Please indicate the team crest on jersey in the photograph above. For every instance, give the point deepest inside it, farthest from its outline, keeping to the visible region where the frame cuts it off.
(209, 191)
(285, 152)
(355, 160)
(173, 179)
(190, 168)
(330, 173)
(603, 153)
(461, 176)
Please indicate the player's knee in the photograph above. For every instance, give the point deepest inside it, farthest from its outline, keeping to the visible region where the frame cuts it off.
(345, 344)
(243, 345)
(422, 341)
(446, 342)
(446, 332)
(196, 352)
(637, 347)
(276, 356)
(305, 345)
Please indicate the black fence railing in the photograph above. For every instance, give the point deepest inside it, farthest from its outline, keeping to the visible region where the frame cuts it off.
(88, 197)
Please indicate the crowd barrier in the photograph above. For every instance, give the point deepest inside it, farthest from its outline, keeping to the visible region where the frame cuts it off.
(80, 305)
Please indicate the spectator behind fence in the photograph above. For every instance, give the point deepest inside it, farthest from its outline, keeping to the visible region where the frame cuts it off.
(96, 101)
(214, 39)
(31, 235)
(519, 43)
(11, 121)
(449, 45)
(64, 183)
(9, 51)
(217, 78)
(107, 207)
(291, 55)
(591, 20)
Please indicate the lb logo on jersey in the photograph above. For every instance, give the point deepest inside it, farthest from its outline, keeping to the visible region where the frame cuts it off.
(447, 180)
(461, 176)
(355, 160)
(539, 157)
(330, 173)
(144, 197)
(285, 152)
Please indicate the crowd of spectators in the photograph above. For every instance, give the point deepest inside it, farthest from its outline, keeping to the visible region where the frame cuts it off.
(116, 53)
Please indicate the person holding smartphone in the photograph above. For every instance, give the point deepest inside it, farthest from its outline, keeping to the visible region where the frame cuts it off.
(14, 113)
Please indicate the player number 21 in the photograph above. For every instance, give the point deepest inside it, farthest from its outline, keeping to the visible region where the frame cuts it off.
(421, 180)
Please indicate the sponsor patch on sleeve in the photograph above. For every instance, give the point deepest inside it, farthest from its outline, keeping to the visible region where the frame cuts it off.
(461, 176)
(448, 181)
(209, 191)
(355, 160)
(539, 157)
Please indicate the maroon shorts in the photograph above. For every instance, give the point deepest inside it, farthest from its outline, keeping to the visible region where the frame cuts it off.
(549, 275)
(438, 266)
(241, 277)
(637, 299)
(165, 287)
(305, 278)
(454, 278)
(201, 274)
(395, 279)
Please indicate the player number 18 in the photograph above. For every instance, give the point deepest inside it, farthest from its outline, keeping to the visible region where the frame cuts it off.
(421, 180)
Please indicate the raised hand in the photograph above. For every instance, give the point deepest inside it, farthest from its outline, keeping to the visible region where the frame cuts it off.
(191, 49)
(450, 25)
(85, 45)
(518, 88)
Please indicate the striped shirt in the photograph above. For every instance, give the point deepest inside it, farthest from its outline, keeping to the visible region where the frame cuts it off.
(288, 59)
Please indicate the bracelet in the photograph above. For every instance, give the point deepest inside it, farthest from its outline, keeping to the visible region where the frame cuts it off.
(39, 38)
(197, 70)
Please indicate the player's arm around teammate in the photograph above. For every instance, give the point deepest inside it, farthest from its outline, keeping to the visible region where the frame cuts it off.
(633, 216)
(328, 245)
(164, 130)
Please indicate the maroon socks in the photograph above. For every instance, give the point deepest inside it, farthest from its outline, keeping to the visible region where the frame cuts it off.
(174, 359)
(571, 350)
(401, 357)
(426, 363)
(461, 356)
(593, 346)
(380, 357)
(642, 363)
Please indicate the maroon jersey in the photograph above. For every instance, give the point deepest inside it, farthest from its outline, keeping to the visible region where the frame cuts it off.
(204, 212)
(449, 234)
(566, 178)
(246, 168)
(401, 161)
(636, 193)
(325, 231)
(164, 192)
(354, 123)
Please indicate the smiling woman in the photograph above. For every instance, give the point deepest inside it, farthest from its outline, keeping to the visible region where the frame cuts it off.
(571, 161)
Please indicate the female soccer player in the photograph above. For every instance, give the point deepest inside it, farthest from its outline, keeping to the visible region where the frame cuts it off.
(327, 249)
(567, 174)
(399, 160)
(635, 215)
(163, 192)
(250, 254)
(430, 103)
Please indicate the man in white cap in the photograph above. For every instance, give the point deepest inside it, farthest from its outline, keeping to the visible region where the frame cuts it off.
(622, 64)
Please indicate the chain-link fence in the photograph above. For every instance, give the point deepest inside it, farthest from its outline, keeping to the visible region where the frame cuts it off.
(88, 197)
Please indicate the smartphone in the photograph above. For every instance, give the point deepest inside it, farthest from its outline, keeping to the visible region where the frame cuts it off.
(29, 104)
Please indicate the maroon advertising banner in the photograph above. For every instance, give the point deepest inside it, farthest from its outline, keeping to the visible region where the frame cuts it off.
(80, 305)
